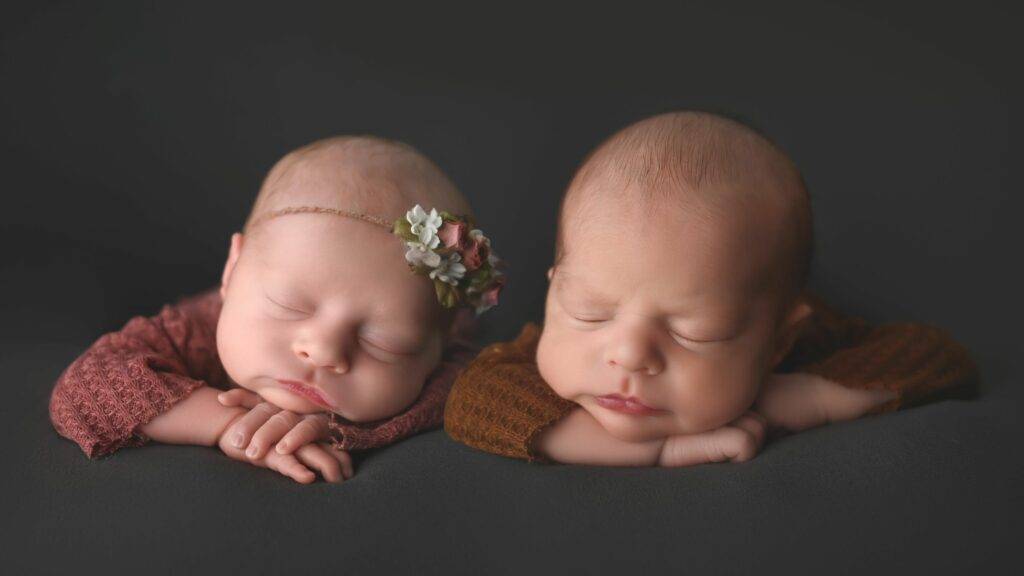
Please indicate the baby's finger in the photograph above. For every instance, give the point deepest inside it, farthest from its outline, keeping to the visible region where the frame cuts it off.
(242, 430)
(239, 397)
(343, 457)
(734, 444)
(270, 432)
(311, 429)
(316, 457)
(290, 466)
(754, 424)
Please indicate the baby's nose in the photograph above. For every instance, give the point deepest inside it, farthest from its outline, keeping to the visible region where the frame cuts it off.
(326, 355)
(635, 353)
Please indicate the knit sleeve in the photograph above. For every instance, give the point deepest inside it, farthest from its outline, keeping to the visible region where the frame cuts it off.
(500, 403)
(920, 363)
(128, 377)
(425, 413)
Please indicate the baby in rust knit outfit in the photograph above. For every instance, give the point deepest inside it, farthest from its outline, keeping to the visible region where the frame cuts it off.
(334, 328)
(677, 329)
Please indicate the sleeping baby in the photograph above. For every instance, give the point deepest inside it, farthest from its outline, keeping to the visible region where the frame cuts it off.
(336, 326)
(677, 330)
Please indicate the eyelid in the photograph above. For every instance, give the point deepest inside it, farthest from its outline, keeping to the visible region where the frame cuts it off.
(376, 345)
(275, 302)
(385, 348)
(589, 320)
(679, 336)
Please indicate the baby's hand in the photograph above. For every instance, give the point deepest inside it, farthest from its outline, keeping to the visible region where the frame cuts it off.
(738, 441)
(296, 436)
(797, 401)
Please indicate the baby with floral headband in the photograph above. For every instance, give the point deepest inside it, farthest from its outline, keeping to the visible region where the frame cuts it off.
(336, 326)
(677, 329)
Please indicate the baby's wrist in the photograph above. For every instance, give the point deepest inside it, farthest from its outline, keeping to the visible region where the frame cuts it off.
(230, 415)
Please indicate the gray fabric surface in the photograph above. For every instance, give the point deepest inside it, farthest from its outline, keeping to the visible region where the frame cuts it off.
(135, 136)
(935, 488)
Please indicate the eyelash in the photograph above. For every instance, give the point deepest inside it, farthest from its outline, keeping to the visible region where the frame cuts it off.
(371, 344)
(683, 339)
(589, 321)
(288, 308)
(392, 357)
(679, 337)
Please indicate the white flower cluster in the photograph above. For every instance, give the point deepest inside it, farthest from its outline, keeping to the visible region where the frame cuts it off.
(425, 226)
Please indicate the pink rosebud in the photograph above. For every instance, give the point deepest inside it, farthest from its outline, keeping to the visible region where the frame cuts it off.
(490, 296)
(453, 234)
(474, 255)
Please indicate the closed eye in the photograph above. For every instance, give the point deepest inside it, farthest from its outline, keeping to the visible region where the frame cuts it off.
(285, 306)
(389, 352)
(687, 340)
(590, 320)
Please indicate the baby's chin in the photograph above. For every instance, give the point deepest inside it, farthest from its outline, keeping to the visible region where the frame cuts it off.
(632, 428)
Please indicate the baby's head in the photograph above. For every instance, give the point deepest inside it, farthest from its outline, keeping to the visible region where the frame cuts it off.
(683, 245)
(321, 311)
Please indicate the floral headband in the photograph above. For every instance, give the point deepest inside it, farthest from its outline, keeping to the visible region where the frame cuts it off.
(449, 250)
(446, 248)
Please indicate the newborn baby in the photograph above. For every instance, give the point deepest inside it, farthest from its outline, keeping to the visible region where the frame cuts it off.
(676, 326)
(324, 337)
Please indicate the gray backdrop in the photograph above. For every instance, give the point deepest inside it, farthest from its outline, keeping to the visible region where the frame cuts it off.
(135, 135)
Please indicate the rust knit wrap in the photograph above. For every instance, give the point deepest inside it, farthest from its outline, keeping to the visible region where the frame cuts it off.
(500, 403)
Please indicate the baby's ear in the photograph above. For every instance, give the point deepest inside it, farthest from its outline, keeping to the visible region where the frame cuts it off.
(234, 251)
(790, 328)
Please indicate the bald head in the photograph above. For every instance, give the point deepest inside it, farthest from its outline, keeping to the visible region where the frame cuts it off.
(362, 174)
(708, 166)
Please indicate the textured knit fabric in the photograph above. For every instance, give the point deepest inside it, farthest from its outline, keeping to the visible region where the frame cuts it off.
(129, 377)
(500, 403)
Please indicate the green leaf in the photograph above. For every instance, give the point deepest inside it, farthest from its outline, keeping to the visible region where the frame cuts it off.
(447, 295)
(482, 277)
(403, 229)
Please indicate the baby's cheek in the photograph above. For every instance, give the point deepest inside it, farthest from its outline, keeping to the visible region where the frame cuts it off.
(383, 391)
(717, 395)
(247, 347)
(560, 361)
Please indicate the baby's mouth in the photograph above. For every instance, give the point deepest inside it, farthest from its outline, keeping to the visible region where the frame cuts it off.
(306, 391)
(626, 405)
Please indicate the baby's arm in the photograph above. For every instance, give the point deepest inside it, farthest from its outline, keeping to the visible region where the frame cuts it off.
(129, 377)
(799, 401)
(579, 438)
(198, 419)
(843, 368)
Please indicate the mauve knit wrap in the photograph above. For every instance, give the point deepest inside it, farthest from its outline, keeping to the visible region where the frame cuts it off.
(128, 377)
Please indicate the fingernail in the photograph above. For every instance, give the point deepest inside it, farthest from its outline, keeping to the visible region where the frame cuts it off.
(282, 447)
(251, 452)
(236, 440)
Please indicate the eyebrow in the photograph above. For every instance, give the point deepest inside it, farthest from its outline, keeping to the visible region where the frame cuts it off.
(567, 278)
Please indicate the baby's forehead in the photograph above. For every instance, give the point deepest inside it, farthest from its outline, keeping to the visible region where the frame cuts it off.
(722, 238)
(331, 257)
(719, 214)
